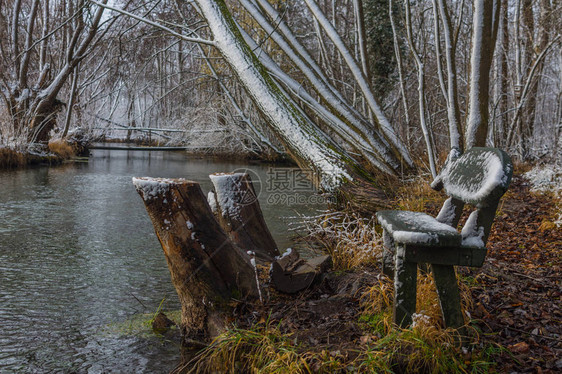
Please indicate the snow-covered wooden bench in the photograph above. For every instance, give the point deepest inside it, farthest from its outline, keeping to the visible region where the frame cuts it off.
(479, 178)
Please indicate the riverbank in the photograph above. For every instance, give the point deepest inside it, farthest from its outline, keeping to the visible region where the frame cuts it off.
(59, 151)
(54, 153)
(13, 159)
(344, 323)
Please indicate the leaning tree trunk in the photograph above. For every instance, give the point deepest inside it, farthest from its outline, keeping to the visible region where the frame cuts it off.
(310, 147)
(208, 270)
(304, 141)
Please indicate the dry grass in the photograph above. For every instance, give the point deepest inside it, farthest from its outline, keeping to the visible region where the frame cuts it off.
(10, 158)
(424, 348)
(263, 349)
(520, 167)
(420, 349)
(377, 300)
(416, 195)
(12, 145)
(350, 239)
(62, 148)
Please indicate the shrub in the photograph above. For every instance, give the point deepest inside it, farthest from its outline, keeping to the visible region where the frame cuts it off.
(61, 148)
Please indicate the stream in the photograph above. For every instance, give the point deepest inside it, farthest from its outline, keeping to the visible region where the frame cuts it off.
(79, 258)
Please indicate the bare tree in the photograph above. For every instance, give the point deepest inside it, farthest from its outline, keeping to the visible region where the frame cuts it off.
(35, 68)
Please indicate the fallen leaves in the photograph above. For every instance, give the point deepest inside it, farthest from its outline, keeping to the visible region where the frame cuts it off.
(520, 347)
(518, 297)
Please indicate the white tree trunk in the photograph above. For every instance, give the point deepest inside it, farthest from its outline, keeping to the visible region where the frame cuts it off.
(356, 128)
(303, 140)
(484, 33)
(453, 112)
(421, 92)
(360, 79)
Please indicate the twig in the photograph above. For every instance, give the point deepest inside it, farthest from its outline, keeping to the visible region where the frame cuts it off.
(532, 333)
(140, 302)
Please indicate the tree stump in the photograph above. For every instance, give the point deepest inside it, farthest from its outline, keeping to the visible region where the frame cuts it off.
(207, 269)
(238, 212)
(291, 274)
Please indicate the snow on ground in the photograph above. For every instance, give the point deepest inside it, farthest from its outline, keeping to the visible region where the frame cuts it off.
(547, 178)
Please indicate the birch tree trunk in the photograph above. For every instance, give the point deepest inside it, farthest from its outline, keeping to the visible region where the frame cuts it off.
(307, 145)
(532, 52)
(398, 55)
(453, 112)
(500, 120)
(382, 120)
(421, 92)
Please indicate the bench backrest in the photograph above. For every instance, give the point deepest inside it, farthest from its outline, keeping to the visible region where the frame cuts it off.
(478, 177)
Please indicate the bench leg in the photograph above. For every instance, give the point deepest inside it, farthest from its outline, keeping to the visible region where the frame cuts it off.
(405, 284)
(449, 297)
(388, 255)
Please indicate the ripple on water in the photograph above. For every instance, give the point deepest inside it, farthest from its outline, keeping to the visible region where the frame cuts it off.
(78, 253)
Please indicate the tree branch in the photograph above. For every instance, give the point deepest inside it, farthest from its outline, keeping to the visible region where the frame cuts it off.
(155, 24)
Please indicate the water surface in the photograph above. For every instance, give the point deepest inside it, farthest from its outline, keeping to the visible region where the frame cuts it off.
(78, 253)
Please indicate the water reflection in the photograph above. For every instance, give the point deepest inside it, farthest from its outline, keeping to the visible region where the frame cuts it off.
(78, 252)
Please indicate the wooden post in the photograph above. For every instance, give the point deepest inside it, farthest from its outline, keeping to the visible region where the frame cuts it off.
(240, 215)
(207, 269)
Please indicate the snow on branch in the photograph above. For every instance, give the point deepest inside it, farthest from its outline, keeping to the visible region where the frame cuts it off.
(155, 24)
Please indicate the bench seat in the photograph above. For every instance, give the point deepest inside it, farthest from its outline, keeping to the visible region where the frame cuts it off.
(420, 229)
(426, 240)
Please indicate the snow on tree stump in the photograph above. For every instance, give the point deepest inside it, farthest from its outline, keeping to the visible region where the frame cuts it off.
(238, 212)
(291, 274)
(207, 269)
